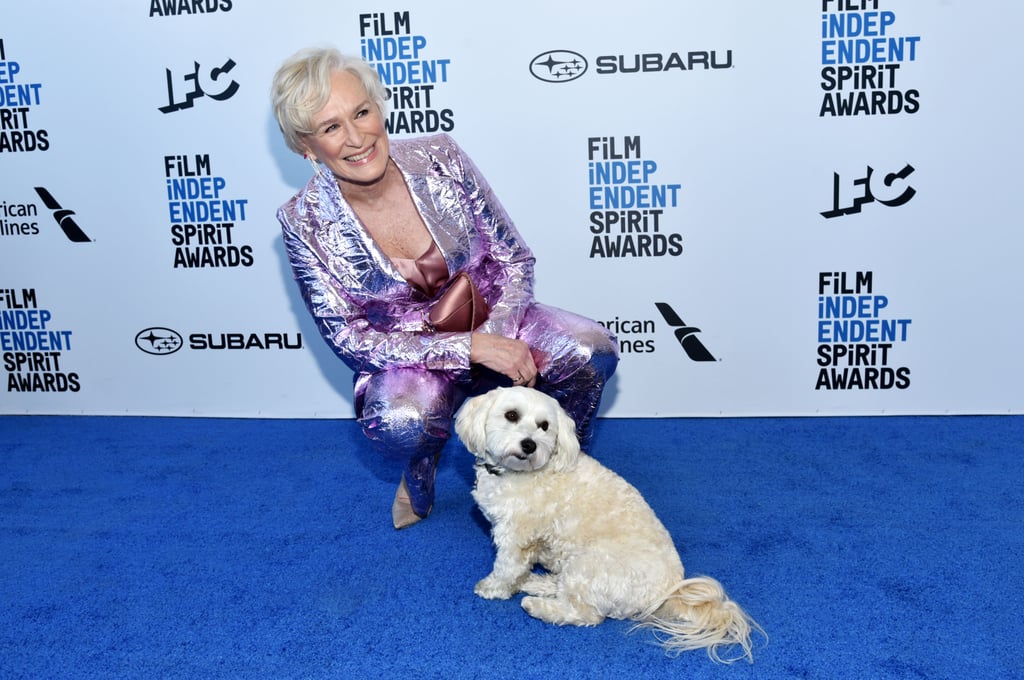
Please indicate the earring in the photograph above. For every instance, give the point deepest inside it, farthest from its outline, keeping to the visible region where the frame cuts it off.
(312, 161)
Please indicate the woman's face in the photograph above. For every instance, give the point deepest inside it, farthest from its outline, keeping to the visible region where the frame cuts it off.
(348, 133)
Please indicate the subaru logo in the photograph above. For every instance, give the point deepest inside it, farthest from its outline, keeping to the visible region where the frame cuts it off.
(158, 340)
(558, 66)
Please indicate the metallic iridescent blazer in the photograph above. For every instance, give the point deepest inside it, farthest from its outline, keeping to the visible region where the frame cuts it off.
(365, 310)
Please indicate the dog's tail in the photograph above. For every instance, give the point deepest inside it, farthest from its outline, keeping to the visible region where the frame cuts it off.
(699, 615)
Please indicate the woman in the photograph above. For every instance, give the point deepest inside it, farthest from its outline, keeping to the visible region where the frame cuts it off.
(374, 238)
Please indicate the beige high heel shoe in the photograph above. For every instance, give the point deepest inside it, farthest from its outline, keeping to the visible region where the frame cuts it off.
(414, 502)
(402, 514)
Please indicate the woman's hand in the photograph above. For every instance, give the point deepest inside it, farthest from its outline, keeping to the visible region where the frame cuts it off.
(504, 355)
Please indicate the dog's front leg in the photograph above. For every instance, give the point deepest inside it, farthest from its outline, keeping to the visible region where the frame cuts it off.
(511, 567)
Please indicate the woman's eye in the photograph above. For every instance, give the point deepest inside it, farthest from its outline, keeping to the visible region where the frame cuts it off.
(512, 416)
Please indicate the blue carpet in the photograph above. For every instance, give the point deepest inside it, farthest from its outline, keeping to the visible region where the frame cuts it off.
(886, 547)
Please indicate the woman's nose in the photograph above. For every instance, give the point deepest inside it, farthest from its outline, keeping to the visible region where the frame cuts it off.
(354, 136)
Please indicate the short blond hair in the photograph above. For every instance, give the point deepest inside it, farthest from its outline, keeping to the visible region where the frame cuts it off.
(302, 86)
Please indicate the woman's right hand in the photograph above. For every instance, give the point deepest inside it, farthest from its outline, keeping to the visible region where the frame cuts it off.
(504, 355)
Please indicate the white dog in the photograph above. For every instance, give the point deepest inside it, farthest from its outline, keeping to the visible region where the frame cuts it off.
(604, 551)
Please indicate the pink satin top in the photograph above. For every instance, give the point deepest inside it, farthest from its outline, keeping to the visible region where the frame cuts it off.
(428, 272)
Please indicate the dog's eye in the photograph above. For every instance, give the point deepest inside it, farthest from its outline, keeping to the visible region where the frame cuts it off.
(512, 416)
(543, 425)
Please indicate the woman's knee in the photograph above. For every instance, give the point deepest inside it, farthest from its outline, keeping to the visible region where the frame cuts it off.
(568, 342)
(407, 412)
(591, 352)
(601, 350)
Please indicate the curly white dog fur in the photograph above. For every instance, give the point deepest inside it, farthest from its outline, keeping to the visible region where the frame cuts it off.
(604, 551)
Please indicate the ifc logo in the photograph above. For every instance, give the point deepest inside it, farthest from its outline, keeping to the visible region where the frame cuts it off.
(558, 66)
(158, 340)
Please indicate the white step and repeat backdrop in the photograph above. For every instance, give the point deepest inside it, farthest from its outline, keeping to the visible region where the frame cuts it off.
(780, 208)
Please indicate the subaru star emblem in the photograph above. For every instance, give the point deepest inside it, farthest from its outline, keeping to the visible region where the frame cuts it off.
(158, 340)
(558, 66)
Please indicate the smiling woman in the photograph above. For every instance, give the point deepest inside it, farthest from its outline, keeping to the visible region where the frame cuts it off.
(349, 136)
(388, 233)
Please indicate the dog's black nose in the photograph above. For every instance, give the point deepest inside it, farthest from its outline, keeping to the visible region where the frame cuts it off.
(528, 446)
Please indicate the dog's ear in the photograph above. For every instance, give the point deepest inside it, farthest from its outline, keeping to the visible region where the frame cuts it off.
(471, 422)
(568, 444)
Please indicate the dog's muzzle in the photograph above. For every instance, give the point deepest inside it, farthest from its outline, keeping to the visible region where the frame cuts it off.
(527, 446)
(522, 458)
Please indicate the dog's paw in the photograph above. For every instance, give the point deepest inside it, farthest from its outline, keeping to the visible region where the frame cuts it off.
(560, 612)
(493, 588)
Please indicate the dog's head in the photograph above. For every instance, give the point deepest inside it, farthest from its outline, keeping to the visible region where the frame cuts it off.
(518, 428)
